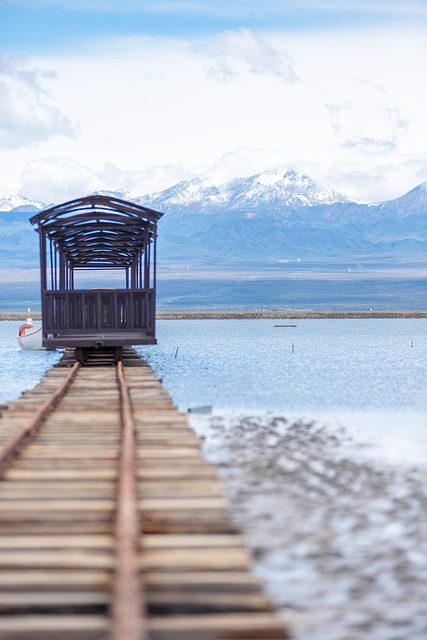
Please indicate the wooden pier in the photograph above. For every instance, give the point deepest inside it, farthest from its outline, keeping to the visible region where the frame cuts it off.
(112, 524)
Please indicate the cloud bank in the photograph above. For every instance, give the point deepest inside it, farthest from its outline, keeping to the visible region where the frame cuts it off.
(142, 113)
(26, 115)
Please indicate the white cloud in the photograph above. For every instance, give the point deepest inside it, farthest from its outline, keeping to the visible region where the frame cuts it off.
(142, 182)
(369, 119)
(26, 115)
(244, 161)
(383, 178)
(58, 179)
(337, 112)
(238, 53)
(149, 115)
(55, 179)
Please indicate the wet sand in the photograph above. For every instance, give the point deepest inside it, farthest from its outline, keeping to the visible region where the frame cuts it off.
(339, 540)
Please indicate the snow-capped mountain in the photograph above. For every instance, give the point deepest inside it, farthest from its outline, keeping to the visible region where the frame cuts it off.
(277, 189)
(266, 218)
(273, 189)
(21, 204)
(415, 201)
(190, 194)
(271, 224)
(280, 187)
(24, 204)
(122, 195)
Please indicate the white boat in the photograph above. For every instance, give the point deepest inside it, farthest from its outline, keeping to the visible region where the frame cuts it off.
(30, 335)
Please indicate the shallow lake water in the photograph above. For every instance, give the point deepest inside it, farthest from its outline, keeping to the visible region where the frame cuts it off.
(316, 364)
(368, 375)
(19, 369)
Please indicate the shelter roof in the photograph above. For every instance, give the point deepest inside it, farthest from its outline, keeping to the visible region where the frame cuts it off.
(98, 231)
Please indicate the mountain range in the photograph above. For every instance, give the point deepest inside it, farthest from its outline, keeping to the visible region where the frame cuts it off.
(270, 225)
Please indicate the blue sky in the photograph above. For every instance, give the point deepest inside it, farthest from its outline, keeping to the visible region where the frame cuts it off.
(138, 95)
(35, 25)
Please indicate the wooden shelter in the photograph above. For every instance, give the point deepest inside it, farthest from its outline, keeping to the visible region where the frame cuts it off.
(98, 234)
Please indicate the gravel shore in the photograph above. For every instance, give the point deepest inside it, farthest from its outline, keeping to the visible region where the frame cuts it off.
(340, 541)
(288, 314)
(257, 315)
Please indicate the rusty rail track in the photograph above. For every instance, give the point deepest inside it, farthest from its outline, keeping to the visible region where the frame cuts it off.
(17, 440)
(112, 525)
(127, 602)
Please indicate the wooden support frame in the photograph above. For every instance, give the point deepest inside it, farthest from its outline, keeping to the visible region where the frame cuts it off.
(101, 234)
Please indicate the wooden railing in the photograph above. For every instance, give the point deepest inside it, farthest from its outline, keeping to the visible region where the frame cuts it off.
(98, 310)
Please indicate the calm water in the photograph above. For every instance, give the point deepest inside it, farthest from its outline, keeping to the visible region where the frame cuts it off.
(369, 376)
(20, 370)
(317, 365)
(368, 373)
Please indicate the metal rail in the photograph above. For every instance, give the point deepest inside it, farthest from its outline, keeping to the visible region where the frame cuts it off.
(126, 606)
(16, 441)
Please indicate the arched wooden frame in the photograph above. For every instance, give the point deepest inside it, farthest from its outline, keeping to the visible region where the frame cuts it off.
(104, 234)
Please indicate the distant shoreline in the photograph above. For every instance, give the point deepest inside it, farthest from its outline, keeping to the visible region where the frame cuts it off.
(287, 315)
(259, 315)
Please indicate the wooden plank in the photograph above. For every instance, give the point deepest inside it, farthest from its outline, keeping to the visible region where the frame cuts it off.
(30, 600)
(168, 464)
(190, 471)
(67, 559)
(207, 581)
(76, 484)
(165, 582)
(80, 466)
(61, 474)
(176, 504)
(195, 541)
(73, 579)
(210, 627)
(207, 559)
(58, 454)
(58, 505)
(190, 602)
(55, 541)
(163, 452)
(188, 523)
(49, 627)
(180, 489)
(53, 515)
(43, 493)
(64, 526)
